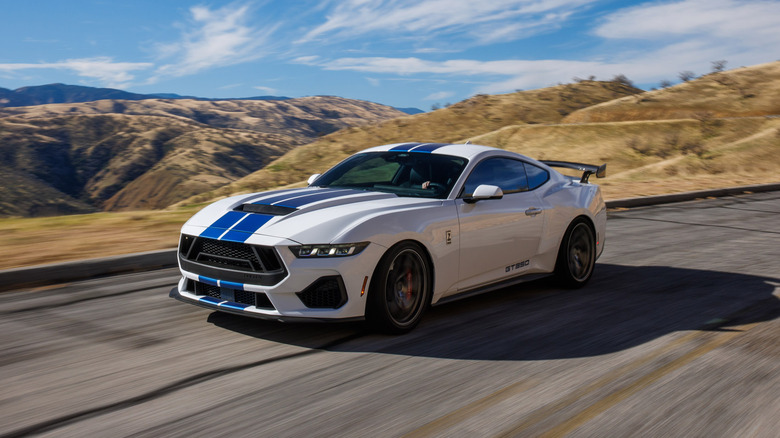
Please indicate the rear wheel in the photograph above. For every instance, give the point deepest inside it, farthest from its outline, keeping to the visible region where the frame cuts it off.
(400, 289)
(577, 255)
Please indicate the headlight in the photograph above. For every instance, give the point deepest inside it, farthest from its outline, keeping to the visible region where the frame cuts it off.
(337, 250)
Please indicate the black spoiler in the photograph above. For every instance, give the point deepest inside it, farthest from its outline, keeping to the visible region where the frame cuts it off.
(587, 169)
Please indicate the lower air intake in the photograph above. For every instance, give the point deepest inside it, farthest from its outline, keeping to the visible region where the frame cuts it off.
(325, 293)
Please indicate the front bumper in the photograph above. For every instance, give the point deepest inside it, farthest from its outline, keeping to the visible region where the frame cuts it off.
(287, 299)
(229, 307)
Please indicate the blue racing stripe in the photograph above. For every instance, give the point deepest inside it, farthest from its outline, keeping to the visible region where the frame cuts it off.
(210, 300)
(242, 230)
(282, 197)
(316, 197)
(404, 147)
(207, 280)
(236, 306)
(231, 285)
(429, 147)
(220, 225)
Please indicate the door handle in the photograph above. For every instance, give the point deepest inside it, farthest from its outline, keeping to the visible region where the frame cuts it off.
(533, 211)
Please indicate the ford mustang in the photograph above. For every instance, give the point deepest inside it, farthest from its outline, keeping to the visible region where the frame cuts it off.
(392, 230)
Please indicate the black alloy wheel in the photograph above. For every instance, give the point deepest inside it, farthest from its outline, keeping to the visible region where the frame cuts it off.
(400, 289)
(577, 255)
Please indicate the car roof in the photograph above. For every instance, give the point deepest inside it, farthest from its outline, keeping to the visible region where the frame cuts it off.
(468, 151)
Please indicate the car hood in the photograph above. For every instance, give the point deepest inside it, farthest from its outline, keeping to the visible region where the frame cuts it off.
(310, 215)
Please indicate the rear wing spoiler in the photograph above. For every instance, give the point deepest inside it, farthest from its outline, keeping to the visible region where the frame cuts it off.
(587, 169)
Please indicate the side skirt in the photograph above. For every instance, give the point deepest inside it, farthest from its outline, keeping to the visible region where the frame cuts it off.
(491, 287)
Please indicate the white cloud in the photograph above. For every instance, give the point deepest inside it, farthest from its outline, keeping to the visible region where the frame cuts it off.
(481, 21)
(216, 38)
(657, 41)
(689, 34)
(103, 69)
(266, 90)
(439, 96)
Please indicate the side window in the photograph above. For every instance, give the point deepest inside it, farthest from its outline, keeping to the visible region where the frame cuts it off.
(536, 176)
(506, 173)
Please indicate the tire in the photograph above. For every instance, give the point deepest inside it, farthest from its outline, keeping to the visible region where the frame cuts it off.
(577, 255)
(400, 289)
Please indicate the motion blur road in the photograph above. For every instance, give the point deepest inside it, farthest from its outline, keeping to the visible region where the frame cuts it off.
(678, 334)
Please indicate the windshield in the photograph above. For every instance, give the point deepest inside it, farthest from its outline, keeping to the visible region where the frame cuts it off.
(403, 173)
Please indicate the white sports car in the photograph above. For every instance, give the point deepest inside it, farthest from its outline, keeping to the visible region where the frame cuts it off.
(391, 230)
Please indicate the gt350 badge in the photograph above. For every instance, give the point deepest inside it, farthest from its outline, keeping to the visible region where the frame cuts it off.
(522, 264)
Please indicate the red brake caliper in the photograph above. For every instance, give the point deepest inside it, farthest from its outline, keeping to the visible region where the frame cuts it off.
(409, 285)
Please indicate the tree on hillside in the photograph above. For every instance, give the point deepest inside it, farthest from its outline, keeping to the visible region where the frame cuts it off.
(622, 79)
(665, 84)
(686, 75)
(719, 66)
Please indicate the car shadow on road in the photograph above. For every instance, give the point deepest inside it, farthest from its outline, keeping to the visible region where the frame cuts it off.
(622, 307)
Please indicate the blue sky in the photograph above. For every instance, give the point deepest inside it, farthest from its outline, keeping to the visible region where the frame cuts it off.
(405, 53)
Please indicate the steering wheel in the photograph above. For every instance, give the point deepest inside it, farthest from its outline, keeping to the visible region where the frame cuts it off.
(438, 187)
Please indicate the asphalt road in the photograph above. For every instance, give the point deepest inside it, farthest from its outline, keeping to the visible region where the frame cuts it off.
(678, 334)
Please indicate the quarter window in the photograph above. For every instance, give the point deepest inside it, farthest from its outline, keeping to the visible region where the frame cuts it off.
(536, 176)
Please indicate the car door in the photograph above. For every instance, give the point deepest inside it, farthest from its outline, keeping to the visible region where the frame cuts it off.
(498, 237)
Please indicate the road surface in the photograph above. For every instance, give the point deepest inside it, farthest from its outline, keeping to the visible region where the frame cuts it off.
(676, 335)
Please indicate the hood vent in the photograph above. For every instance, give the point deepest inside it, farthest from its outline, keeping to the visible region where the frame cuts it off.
(273, 210)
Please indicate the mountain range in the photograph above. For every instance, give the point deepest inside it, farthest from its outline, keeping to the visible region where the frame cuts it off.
(63, 93)
(147, 154)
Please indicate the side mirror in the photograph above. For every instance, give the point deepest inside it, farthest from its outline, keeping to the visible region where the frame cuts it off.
(485, 191)
(313, 178)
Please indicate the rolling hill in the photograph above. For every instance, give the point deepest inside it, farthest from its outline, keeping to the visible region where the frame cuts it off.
(458, 122)
(714, 131)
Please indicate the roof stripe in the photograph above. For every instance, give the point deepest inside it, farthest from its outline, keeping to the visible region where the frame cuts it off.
(428, 147)
(404, 147)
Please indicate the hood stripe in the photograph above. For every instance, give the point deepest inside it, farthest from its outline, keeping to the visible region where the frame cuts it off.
(268, 200)
(242, 230)
(223, 223)
(300, 201)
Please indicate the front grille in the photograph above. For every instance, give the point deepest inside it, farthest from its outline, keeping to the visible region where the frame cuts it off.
(325, 293)
(257, 299)
(233, 255)
(231, 261)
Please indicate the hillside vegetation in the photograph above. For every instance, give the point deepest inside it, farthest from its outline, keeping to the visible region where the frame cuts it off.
(742, 92)
(116, 155)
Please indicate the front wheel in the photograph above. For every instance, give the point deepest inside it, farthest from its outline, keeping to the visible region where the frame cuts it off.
(400, 289)
(577, 255)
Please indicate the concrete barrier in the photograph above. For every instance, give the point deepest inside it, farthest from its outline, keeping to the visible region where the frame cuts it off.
(642, 201)
(54, 273)
(42, 275)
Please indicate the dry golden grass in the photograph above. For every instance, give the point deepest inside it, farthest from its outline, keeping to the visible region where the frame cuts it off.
(742, 92)
(459, 122)
(34, 241)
